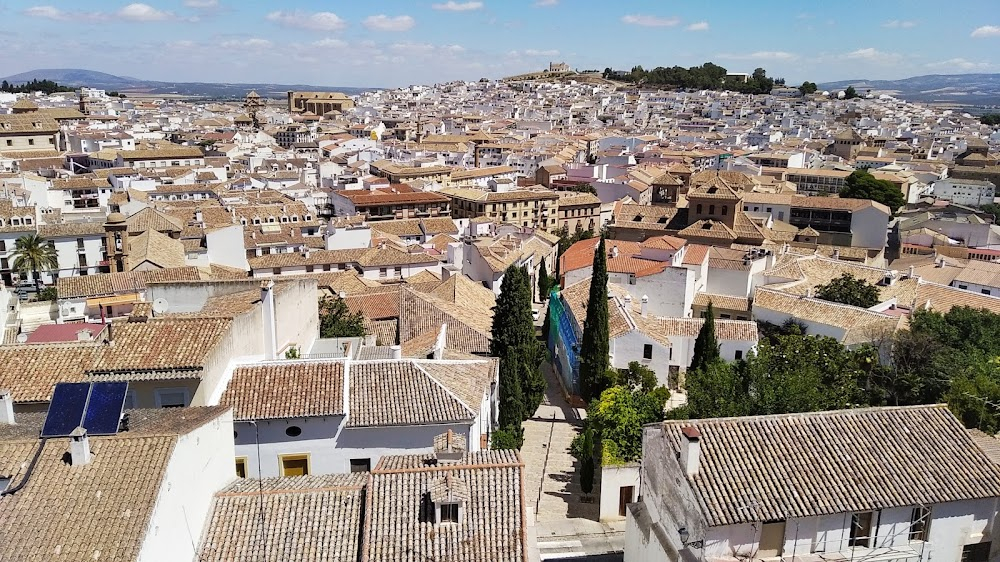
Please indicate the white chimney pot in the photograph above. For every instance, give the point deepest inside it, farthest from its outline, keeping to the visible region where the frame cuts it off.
(79, 447)
(6, 408)
(690, 450)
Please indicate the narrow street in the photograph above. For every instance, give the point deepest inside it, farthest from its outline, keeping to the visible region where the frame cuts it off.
(566, 527)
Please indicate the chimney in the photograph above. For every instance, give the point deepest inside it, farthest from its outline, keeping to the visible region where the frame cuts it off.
(267, 317)
(628, 302)
(6, 408)
(79, 447)
(614, 251)
(690, 450)
(939, 262)
(397, 352)
(836, 253)
(645, 306)
(84, 335)
(912, 271)
(342, 295)
(809, 293)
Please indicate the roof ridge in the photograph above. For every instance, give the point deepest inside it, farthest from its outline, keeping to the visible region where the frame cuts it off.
(821, 413)
(445, 387)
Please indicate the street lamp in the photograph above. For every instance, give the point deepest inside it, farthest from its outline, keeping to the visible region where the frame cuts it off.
(685, 535)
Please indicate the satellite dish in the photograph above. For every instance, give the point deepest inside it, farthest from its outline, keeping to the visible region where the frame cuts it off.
(159, 306)
(22, 338)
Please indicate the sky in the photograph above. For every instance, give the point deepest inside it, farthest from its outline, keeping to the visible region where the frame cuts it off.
(390, 43)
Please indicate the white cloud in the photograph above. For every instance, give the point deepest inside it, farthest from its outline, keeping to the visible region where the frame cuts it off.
(330, 42)
(760, 55)
(252, 43)
(873, 55)
(202, 4)
(452, 6)
(650, 21)
(540, 53)
(987, 31)
(959, 64)
(143, 12)
(899, 24)
(383, 22)
(48, 12)
(544, 3)
(319, 21)
(698, 26)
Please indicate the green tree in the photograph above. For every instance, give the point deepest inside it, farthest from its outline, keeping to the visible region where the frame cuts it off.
(974, 394)
(33, 254)
(337, 321)
(513, 342)
(706, 345)
(991, 119)
(808, 88)
(595, 347)
(848, 289)
(510, 437)
(544, 283)
(862, 185)
(850, 93)
(716, 389)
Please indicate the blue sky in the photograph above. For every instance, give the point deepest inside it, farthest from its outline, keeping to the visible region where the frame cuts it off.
(395, 42)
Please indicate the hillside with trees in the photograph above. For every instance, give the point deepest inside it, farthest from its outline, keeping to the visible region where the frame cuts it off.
(708, 76)
(44, 86)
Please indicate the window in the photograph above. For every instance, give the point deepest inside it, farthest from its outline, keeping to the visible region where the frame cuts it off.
(861, 529)
(309, 269)
(647, 351)
(241, 467)
(171, 397)
(293, 431)
(361, 465)
(449, 513)
(920, 520)
(698, 209)
(276, 271)
(725, 316)
(711, 209)
(725, 210)
(381, 272)
(979, 552)
(739, 354)
(31, 141)
(294, 465)
(985, 291)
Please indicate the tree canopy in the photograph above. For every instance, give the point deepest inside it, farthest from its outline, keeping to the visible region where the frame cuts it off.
(595, 347)
(848, 289)
(44, 86)
(850, 93)
(706, 345)
(337, 321)
(991, 119)
(708, 76)
(808, 88)
(862, 185)
(33, 254)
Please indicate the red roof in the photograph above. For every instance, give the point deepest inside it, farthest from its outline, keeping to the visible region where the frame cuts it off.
(50, 333)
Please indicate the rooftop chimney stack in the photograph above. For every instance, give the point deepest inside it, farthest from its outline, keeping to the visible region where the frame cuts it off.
(6, 408)
(614, 251)
(690, 450)
(397, 352)
(268, 316)
(84, 335)
(79, 447)
(912, 272)
(836, 253)
(644, 310)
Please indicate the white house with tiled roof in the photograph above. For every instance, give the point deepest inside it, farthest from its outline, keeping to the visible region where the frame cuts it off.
(139, 495)
(905, 484)
(336, 416)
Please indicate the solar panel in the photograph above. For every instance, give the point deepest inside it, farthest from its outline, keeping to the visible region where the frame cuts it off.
(69, 400)
(104, 409)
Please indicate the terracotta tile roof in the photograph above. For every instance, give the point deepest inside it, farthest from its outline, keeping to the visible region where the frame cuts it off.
(41, 366)
(375, 306)
(122, 282)
(794, 465)
(695, 254)
(151, 219)
(71, 229)
(385, 331)
(577, 295)
(709, 229)
(438, 225)
(418, 398)
(722, 301)
(469, 324)
(855, 321)
(943, 299)
(725, 330)
(104, 507)
(294, 508)
(664, 242)
(400, 526)
(162, 343)
(157, 249)
(285, 390)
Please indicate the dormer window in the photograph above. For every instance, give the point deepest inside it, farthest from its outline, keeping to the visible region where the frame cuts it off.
(449, 495)
(449, 513)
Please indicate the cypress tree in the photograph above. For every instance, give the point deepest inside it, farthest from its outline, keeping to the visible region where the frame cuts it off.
(513, 342)
(706, 347)
(543, 282)
(594, 361)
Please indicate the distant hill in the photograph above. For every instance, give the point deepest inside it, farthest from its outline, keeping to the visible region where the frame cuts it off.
(970, 89)
(125, 84)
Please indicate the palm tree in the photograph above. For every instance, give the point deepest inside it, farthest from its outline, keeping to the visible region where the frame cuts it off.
(34, 254)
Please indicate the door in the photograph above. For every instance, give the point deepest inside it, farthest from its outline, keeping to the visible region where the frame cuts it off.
(772, 539)
(624, 498)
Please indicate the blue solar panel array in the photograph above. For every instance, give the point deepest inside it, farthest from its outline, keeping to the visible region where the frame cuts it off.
(97, 407)
(104, 408)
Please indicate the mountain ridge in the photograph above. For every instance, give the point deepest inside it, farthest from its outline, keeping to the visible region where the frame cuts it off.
(126, 84)
(971, 89)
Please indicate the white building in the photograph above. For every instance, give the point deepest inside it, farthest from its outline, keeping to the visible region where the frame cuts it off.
(850, 484)
(971, 193)
(335, 416)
